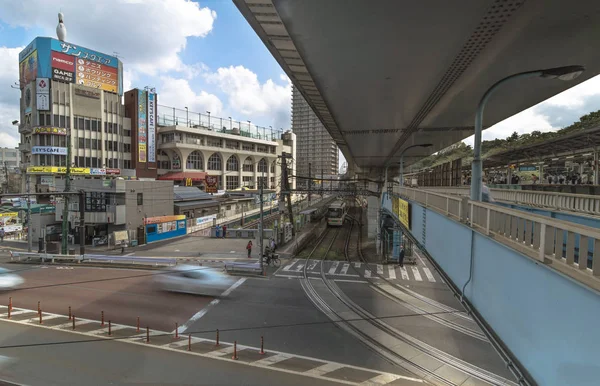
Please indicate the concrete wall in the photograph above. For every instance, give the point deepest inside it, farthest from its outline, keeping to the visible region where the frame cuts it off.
(548, 321)
(157, 201)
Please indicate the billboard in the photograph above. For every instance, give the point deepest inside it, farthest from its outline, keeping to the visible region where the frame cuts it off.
(212, 184)
(62, 61)
(97, 75)
(49, 130)
(151, 127)
(401, 208)
(49, 150)
(42, 94)
(28, 69)
(142, 134)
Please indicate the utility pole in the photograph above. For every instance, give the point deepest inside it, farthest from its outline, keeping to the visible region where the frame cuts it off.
(309, 182)
(260, 223)
(6, 176)
(65, 222)
(286, 185)
(28, 188)
(82, 222)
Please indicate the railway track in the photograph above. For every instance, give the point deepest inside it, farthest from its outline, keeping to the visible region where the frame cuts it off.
(393, 345)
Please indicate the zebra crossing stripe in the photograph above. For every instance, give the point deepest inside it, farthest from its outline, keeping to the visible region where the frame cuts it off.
(379, 269)
(392, 272)
(367, 273)
(345, 268)
(287, 267)
(429, 274)
(313, 265)
(417, 274)
(333, 268)
(299, 267)
(404, 273)
(357, 265)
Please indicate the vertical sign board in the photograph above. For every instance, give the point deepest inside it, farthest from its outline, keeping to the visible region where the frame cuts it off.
(42, 94)
(403, 211)
(151, 127)
(142, 133)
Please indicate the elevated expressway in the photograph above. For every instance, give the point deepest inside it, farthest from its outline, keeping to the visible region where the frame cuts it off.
(383, 76)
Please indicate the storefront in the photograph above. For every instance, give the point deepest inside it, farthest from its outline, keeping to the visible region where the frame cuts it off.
(164, 227)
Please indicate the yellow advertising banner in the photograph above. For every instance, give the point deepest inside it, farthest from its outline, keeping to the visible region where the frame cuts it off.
(9, 214)
(403, 212)
(162, 219)
(56, 170)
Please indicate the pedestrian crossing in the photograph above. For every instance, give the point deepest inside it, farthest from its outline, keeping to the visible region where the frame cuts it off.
(416, 273)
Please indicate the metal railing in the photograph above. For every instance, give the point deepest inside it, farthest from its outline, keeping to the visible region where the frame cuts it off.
(570, 248)
(171, 116)
(568, 202)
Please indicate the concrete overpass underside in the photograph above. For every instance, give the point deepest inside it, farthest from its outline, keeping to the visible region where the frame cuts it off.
(388, 74)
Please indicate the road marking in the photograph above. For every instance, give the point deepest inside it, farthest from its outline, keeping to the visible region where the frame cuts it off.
(299, 267)
(313, 264)
(233, 286)
(417, 274)
(333, 268)
(392, 272)
(288, 267)
(326, 368)
(223, 351)
(345, 269)
(404, 273)
(379, 269)
(272, 360)
(420, 258)
(197, 316)
(384, 379)
(367, 273)
(350, 281)
(429, 275)
(129, 254)
(357, 265)
(177, 250)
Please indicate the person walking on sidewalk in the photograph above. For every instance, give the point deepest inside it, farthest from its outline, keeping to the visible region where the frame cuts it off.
(1, 235)
(249, 248)
(224, 230)
(401, 257)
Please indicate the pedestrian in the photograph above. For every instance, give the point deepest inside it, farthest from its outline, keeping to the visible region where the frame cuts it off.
(1, 234)
(224, 230)
(249, 248)
(401, 257)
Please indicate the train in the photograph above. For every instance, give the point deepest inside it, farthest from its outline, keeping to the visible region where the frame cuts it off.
(336, 213)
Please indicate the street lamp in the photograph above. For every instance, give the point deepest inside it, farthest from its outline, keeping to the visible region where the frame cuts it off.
(562, 73)
(208, 112)
(402, 160)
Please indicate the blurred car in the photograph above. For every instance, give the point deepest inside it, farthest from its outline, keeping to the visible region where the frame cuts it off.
(194, 280)
(9, 279)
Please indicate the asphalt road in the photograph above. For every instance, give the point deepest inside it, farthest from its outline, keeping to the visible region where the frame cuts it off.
(122, 294)
(37, 359)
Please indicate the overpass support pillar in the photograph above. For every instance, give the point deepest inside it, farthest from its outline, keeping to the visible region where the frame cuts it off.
(373, 218)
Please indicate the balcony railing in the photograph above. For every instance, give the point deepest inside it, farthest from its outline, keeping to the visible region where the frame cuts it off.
(570, 248)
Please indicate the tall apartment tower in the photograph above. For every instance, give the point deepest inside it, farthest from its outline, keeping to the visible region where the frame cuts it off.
(314, 145)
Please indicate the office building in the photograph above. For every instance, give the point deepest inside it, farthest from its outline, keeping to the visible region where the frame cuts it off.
(314, 144)
(10, 176)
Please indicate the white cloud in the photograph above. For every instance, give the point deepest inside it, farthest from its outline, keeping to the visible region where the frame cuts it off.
(268, 101)
(147, 35)
(7, 140)
(9, 97)
(178, 93)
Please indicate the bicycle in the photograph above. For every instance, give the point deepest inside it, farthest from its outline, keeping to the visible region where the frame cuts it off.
(271, 258)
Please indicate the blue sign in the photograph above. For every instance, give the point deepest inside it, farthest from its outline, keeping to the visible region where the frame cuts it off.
(84, 53)
(527, 168)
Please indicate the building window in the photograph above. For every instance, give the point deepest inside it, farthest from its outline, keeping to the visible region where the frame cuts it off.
(273, 167)
(126, 164)
(232, 182)
(127, 147)
(95, 202)
(195, 161)
(248, 165)
(232, 164)
(87, 124)
(262, 182)
(140, 198)
(247, 146)
(88, 143)
(247, 181)
(272, 182)
(62, 121)
(214, 162)
(262, 166)
(164, 164)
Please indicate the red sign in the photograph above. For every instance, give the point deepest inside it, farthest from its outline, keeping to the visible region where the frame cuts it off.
(113, 171)
(63, 62)
(211, 184)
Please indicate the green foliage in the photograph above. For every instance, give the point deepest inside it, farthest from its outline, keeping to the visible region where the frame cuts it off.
(514, 141)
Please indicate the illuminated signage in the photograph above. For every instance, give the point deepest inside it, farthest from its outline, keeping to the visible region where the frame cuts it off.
(62, 61)
(151, 127)
(49, 130)
(49, 150)
(142, 136)
(96, 75)
(74, 171)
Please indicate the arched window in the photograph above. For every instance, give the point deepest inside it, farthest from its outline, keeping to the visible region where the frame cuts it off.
(195, 161)
(233, 164)
(248, 165)
(262, 166)
(273, 167)
(214, 162)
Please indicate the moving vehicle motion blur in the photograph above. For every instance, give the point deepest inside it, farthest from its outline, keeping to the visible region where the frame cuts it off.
(194, 280)
(336, 213)
(9, 279)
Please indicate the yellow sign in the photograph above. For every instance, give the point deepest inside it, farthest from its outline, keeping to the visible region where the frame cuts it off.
(402, 210)
(188, 182)
(9, 214)
(56, 170)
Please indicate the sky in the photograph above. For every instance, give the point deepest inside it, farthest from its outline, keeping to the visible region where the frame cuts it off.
(203, 55)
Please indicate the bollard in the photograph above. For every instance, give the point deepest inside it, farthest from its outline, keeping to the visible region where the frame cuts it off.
(176, 331)
(138, 324)
(39, 309)
(109, 328)
(235, 357)
(9, 312)
(217, 343)
(40, 317)
(102, 324)
(262, 345)
(69, 312)
(147, 334)
(10, 303)
(189, 343)
(73, 322)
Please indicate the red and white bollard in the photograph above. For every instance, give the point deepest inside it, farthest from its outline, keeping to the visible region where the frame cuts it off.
(39, 308)
(102, 324)
(217, 342)
(73, 322)
(138, 324)
(69, 312)
(10, 303)
(40, 313)
(109, 328)
(176, 330)
(235, 357)
(262, 345)
(189, 343)
(147, 334)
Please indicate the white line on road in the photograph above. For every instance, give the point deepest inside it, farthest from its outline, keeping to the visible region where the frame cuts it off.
(357, 265)
(404, 273)
(234, 286)
(417, 274)
(379, 269)
(333, 268)
(299, 267)
(313, 264)
(129, 254)
(429, 275)
(197, 316)
(367, 273)
(345, 269)
(392, 272)
(350, 281)
(287, 267)
(420, 258)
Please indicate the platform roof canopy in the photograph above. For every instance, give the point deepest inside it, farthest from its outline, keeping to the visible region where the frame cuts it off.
(383, 75)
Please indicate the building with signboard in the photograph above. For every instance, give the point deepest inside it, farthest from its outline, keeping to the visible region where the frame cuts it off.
(165, 227)
(222, 158)
(10, 177)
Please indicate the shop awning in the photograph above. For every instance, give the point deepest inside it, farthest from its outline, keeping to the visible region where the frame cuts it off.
(181, 176)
